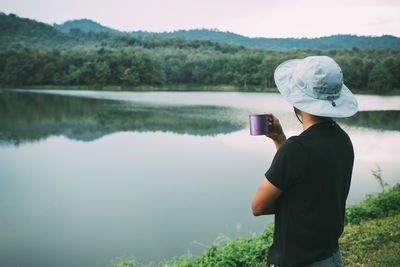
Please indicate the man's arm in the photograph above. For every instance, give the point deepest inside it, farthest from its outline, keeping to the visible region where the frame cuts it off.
(265, 198)
(267, 193)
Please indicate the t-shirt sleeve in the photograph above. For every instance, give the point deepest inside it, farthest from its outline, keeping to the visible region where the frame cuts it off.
(287, 165)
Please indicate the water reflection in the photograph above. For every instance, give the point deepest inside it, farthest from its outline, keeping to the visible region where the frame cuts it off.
(171, 170)
(377, 119)
(29, 117)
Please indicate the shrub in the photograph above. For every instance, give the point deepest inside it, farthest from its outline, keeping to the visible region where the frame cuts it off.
(375, 206)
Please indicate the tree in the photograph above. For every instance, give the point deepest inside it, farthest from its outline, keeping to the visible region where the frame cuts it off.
(130, 77)
(101, 73)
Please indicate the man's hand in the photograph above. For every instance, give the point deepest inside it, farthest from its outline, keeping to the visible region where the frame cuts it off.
(275, 131)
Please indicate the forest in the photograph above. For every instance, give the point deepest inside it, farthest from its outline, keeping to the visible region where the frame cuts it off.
(36, 54)
(246, 69)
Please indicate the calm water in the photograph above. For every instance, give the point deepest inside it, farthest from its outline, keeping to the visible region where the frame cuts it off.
(90, 178)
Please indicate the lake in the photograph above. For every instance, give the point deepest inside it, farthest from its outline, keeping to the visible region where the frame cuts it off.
(88, 178)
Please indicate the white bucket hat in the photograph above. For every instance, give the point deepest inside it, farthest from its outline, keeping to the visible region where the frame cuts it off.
(315, 85)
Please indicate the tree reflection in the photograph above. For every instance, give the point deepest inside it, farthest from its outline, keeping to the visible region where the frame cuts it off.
(379, 119)
(26, 117)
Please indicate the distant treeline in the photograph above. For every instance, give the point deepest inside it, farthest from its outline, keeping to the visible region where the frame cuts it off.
(193, 62)
(36, 54)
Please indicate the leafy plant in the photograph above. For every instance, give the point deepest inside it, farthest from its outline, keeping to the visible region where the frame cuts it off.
(377, 173)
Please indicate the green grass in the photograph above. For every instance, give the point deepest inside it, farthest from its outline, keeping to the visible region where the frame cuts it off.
(239, 252)
(371, 237)
(375, 206)
(374, 242)
(372, 234)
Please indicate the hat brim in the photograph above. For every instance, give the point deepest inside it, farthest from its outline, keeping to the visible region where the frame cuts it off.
(346, 104)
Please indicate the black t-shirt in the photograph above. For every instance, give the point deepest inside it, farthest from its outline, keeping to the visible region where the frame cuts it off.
(314, 172)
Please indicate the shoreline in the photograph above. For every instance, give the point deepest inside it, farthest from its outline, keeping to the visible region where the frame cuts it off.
(180, 88)
(149, 88)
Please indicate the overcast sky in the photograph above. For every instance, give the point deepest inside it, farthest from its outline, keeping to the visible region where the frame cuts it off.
(254, 18)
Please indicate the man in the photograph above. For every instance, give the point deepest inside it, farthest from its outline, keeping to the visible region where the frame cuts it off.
(308, 181)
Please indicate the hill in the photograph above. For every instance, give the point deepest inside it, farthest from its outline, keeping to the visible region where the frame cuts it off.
(16, 32)
(85, 25)
(329, 42)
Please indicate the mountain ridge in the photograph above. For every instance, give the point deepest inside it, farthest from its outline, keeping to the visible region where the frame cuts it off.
(14, 29)
(215, 35)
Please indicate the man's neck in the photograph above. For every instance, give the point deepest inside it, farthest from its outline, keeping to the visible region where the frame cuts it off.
(309, 120)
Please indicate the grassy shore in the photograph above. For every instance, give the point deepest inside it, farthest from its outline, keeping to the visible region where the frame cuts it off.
(371, 237)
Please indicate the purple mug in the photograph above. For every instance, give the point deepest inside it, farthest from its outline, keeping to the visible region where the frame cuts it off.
(258, 124)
